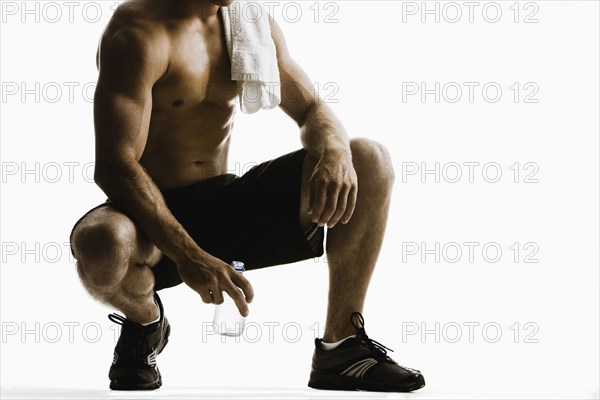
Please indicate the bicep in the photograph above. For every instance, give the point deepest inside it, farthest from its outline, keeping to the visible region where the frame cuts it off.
(297, 94)
(121, 124)
(123, 99)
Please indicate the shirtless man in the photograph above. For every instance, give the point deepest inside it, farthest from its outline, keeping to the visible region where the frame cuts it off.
(164, 111)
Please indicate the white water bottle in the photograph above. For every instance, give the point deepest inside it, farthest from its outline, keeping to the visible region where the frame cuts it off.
(228, 319)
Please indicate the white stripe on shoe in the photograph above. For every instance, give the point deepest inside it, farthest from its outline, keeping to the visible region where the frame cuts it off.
(359, 368)
(151, 360)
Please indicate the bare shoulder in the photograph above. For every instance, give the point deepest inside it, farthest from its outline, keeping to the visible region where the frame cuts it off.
(134, 40)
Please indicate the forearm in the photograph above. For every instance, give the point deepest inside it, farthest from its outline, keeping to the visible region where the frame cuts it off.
(322, 132)
(133, 191)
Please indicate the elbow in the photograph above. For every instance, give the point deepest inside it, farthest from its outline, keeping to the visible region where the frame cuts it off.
(310, 112)
(102, 171)
(100, 176)
(106, 173)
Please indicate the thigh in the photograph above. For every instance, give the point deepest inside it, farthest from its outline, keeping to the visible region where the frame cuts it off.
(272, 206)
(307, 170)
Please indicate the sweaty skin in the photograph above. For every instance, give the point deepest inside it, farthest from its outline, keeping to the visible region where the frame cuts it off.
(164, 111)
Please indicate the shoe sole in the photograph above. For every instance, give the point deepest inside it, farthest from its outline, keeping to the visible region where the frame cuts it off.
(146, 386)
(338, 382)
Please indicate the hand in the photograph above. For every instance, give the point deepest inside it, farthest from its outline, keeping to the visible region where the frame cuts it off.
(211, 277)
(333, 190)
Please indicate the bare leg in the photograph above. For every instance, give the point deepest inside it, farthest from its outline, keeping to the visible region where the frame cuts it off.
(113, 261)
(353, 249)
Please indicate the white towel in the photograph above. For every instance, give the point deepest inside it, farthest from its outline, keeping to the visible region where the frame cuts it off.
(253, 55)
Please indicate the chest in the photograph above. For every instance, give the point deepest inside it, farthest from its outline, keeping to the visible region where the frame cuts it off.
(199, 72)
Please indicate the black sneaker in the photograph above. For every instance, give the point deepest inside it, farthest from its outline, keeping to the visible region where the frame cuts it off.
(361, 363)
(134, 360)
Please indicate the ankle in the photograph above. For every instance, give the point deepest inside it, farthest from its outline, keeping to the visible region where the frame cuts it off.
(332, 336)
(145, 315)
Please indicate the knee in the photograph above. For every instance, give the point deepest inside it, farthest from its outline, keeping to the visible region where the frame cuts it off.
(373, 164)
(103, 250)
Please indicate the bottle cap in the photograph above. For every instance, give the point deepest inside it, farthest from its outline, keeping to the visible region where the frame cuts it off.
(238, 266)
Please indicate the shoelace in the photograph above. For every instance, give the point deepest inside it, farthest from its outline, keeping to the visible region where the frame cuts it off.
(117, 319)
(134, 344)
(374, 345)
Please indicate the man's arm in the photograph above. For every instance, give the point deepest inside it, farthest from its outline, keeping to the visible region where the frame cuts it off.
(333, 185)
(131, 61)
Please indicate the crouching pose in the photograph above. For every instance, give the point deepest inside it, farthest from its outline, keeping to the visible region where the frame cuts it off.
(164, 110)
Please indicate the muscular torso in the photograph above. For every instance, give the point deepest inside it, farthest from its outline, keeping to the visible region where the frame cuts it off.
(193, 104)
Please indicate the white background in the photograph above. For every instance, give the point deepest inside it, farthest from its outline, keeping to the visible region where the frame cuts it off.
(373, 52)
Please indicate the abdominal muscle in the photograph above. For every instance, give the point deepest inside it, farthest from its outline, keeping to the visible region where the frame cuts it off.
(189, 146)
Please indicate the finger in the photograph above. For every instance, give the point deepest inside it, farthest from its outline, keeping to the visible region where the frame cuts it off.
(351, 205)
(217, 296)
(238, 298)
(245, 285)
(341, 208)
(332, 200)
(312, 192)
(320, 201)
(206, 295)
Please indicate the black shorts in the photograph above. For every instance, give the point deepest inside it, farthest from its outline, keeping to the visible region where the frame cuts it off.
(254, 218)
